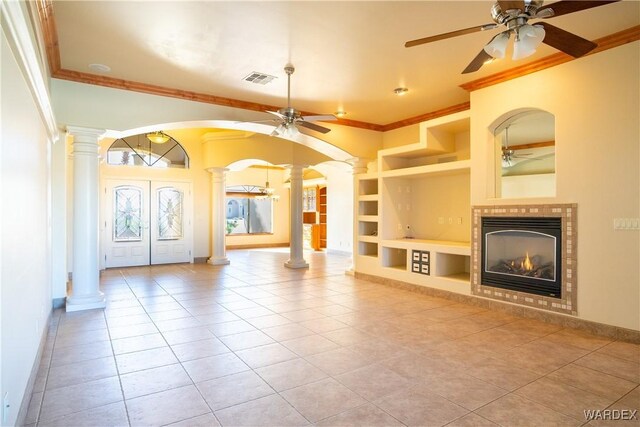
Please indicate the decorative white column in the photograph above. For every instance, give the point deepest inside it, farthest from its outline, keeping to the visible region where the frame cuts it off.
(359, 166)
(218, 217)
(85, 290)
(296, 256)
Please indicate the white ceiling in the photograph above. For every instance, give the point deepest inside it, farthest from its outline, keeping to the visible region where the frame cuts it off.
(348, 54)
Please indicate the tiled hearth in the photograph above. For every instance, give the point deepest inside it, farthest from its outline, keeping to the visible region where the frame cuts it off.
(567, 303)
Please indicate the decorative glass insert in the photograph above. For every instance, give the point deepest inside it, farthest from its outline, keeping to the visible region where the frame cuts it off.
(127, 215)
(137, 150)
(169, 213)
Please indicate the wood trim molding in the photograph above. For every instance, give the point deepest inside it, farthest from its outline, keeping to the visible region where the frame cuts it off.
(531, 145)
(427, 116)
(609, 42)
(50, 34)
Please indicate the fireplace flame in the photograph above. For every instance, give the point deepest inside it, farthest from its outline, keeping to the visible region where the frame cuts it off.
(527, 265)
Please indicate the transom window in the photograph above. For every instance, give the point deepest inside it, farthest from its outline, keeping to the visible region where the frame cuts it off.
(137, 150)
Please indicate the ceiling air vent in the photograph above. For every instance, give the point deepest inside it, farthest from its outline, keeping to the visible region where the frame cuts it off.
(259, 78)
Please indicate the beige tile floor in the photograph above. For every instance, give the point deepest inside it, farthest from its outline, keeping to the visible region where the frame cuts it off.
(254, 343)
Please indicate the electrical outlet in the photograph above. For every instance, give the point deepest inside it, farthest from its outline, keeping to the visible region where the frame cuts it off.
(450, 220)
(440, 220)
(459, 220)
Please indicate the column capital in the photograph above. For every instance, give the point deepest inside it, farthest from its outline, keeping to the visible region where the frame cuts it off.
(217, 170)
(84, 134)
(359, 164)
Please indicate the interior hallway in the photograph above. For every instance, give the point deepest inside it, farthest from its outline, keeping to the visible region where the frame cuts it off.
(254, 343)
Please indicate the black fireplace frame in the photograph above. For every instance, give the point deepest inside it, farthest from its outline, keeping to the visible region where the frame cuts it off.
(551, 226)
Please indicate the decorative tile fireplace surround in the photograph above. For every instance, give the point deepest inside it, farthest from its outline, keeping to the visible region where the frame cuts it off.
(566, 255)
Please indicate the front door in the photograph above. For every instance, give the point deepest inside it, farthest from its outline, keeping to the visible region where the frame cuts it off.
(146, 222)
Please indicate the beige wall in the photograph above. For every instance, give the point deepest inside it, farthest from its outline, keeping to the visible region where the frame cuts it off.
(25, 277)
(596, 106)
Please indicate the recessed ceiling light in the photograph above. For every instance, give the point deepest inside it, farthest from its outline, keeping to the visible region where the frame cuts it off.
(400, 91)
(99, 68)
(340, 113)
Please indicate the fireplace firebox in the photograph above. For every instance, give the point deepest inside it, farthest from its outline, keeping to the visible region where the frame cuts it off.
(522, 254)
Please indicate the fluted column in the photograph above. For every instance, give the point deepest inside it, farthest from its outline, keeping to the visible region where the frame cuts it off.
(85, 290)
(296, 255)
(359, 166)
(218, 217)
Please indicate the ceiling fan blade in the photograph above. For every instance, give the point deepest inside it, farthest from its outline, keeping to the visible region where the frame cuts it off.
(449, 35)
(565, 41)
(564, 7)
(320, 118)
(477, 62)
(275, 113)
(508, 5)
(313, 126)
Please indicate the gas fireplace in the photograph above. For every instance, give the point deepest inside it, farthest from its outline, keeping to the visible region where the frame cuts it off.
(522, 254)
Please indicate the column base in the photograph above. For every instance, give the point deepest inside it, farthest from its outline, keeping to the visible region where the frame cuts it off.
(85, 303)
(296, 264)
(219, 261)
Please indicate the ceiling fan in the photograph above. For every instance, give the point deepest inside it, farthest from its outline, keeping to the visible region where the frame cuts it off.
(289, 119)
(509, 157)
(515, 15)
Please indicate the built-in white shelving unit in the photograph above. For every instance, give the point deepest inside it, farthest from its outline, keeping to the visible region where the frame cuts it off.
(413, 214)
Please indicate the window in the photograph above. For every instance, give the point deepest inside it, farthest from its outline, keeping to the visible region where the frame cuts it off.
(309, 199)
(248, 210)
(137, 150)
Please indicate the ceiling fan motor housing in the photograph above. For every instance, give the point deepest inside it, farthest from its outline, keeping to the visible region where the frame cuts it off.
(291, 114)
(505, 16)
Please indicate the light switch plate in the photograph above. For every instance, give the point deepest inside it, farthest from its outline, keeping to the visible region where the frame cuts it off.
(626, 223)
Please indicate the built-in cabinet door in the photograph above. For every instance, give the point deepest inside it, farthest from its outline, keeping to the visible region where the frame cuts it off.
(126, 233)
(170, 229)
(147, 222)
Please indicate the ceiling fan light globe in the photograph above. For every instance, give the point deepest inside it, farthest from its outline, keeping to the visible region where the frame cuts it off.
(498, 46)
(292, 131)
(528, 40)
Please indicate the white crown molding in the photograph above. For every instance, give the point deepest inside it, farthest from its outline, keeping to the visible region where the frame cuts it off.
(16, 24)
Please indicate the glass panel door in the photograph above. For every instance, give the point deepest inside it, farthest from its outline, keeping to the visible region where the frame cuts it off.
(126, 222)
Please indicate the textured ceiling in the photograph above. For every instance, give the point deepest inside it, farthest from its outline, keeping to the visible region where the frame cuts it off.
(348, 55)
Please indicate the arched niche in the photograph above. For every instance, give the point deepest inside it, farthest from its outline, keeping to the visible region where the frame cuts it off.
(525, 155)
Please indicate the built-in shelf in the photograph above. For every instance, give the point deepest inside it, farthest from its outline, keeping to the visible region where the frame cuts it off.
(422, 190)
(439, 169)
(368, 198)
(368, 228)
(394, 257)
(368, 185)
(368, 207)
(452, 265)
(458, 248)
(369, 249)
